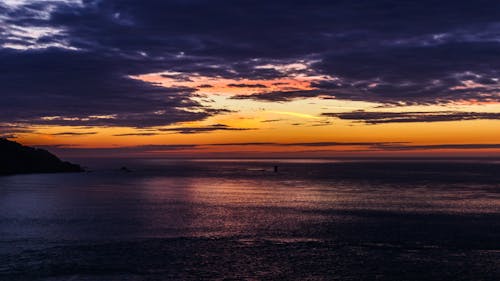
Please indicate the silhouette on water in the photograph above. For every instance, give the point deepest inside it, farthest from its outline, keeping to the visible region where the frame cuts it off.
(125, 169)
(19, 159)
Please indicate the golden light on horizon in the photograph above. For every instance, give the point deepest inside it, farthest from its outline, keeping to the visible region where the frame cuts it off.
(294, 121)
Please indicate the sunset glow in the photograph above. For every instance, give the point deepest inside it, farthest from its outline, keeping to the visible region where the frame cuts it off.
(137, 96)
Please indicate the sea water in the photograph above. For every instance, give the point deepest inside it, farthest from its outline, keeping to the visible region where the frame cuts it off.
(238, 219)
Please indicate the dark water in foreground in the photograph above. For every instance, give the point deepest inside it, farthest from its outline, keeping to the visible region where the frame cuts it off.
(237, 220)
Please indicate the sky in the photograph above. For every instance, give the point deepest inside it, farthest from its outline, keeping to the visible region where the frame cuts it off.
(194, 78)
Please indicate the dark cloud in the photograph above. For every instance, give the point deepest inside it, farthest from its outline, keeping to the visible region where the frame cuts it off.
(57, 87)
(246, 85)
(311, 144)
(72, 150)
(445, 146)
(369, 146)
(136, 134)
(408, 75)
(14, 129)
(340, 143)
(199, 149)
(321, 123)
(8, 136)
(76, 60)
(271, 120)
(178, 76)
(280, 96)
(373, 117)
(243, 143)
(74, 133)
(197, 130)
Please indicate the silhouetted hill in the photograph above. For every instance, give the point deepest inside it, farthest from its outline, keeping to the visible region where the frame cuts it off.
(19, 159)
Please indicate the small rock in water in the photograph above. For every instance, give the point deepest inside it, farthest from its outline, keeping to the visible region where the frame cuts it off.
(125, 169)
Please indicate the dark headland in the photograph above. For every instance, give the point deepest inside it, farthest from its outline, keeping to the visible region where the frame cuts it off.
(19, 159)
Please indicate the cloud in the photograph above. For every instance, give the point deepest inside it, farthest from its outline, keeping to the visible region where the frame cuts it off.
(135, 134)
(78, 57)
(409, 75)
(373, 117)
(8, 136)
(72, 150)
(309, 144)
(205, 86)
(445, 146)
(8, 128)
(12, 131)
(299, 147)
(271, 120)
(280, 96)
(369, 146)
(74, 133)
(243, 143)
(197, 130)
(341, 143)
(246, 85)
(87, 89)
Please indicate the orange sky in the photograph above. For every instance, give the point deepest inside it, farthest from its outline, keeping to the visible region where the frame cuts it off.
(280, 123)
(250, 78)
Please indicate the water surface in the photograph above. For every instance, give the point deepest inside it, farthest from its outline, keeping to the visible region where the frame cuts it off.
(237, 219)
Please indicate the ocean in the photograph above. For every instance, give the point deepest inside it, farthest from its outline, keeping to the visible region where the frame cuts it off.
(238, 219)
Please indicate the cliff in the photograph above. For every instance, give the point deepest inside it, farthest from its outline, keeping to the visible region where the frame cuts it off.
(19, 159)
